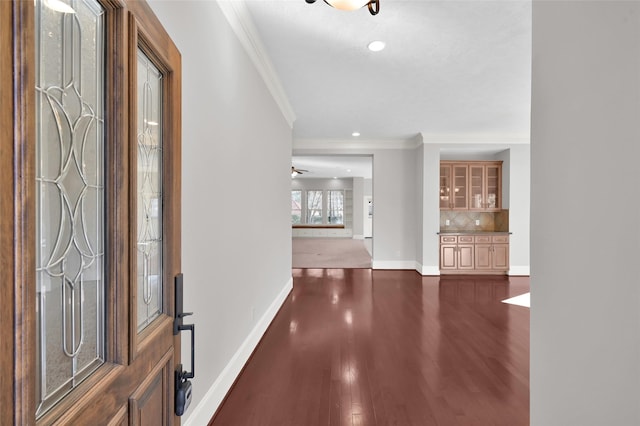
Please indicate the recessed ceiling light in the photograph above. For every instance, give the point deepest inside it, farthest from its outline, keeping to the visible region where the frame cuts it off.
(355, 134)
(348, 170)
(376, 46)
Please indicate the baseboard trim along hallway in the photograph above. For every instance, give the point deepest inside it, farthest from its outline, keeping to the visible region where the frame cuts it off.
(395, 264)
(427, 270)
(207, 407)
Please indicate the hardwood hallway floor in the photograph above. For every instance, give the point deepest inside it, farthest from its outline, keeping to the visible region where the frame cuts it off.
(363, 347)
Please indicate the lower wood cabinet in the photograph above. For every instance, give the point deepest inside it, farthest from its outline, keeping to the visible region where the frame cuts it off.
(456, 253)
(474, 254)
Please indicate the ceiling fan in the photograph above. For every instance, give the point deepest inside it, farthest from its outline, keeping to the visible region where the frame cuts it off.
(373, 5)
(295, 172)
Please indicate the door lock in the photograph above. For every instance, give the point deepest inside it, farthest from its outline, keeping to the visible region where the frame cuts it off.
(182, 383)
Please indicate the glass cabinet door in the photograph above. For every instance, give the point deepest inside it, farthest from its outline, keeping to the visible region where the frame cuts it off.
(476, 187)
(471, 185)
(493, 187)
(460, 186)
(445, 187)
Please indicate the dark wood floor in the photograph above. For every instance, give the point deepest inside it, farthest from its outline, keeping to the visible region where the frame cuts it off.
(363, 347)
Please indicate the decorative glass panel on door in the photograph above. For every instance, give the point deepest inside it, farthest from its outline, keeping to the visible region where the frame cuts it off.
(149, 192)
(70, 207)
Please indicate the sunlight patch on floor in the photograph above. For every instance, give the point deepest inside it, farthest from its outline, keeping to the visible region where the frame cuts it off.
(522, 300)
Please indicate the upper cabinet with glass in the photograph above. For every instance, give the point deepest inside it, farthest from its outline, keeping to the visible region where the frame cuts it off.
(454, 186)
(471, 185)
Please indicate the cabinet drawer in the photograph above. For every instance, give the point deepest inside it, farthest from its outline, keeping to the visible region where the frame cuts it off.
(483, 239)
(500, 239)
(448, 239)
(465, 239)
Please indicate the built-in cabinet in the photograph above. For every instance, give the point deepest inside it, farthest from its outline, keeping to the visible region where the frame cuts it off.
(456, 253)
(471, 185)
(491, 253)
(474, 254)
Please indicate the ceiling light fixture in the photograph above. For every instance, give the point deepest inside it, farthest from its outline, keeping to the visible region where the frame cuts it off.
(356, 134)
(376, 46)
(372, 5)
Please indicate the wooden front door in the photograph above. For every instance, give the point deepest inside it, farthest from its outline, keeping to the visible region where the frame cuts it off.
(89, 213)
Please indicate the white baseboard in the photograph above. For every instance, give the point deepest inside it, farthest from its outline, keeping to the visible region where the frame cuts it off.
(393, 264)
(202, 413)
(358, 237)
(427, 270)
(519, 270)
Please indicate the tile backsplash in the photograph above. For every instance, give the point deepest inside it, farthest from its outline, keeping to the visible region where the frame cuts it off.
(466, 221)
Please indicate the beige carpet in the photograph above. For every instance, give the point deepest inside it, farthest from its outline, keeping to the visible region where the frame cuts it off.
(330, 253)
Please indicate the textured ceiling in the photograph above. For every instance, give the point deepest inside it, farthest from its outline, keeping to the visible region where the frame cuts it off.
(449, 67)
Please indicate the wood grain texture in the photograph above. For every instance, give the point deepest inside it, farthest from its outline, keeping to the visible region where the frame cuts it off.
(117, 177)
(23, 257)
(149, 404)
(363, 347)
(6, 213)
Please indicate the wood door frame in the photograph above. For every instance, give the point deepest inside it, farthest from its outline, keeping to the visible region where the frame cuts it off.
(6, 211)
(17, 209)
(18, 168)
(150, 38)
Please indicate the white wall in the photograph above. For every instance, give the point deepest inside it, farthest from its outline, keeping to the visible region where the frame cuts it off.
(368, 187)
(517, 195)
(430, 261)
(233, 275)
(419, 188)
(585, 216)
(394, 209)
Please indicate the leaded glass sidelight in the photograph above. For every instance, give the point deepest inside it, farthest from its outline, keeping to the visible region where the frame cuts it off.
(149, 191)
(70, 207)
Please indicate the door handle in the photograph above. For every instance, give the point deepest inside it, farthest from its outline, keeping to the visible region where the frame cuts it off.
(182, 383)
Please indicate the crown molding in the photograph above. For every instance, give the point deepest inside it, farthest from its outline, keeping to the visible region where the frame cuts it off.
(479, 138)
(239, 18)
(364, 145)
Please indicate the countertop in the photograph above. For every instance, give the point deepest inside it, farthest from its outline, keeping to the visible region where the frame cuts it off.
(474, 233)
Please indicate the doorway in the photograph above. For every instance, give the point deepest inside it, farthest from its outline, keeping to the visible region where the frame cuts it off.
(329, 214)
